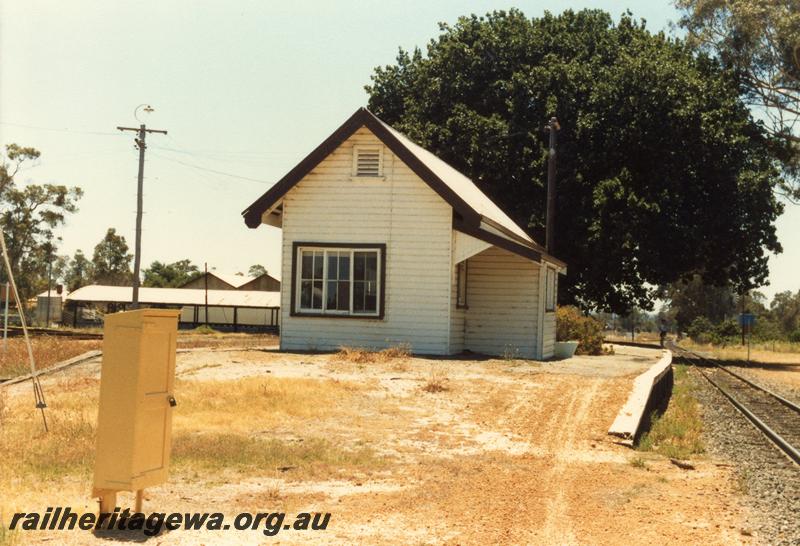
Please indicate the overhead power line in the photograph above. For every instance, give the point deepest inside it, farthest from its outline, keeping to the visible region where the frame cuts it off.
(222, 173)
(59, 129)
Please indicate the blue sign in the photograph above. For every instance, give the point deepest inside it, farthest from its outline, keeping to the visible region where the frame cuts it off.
(747, 319)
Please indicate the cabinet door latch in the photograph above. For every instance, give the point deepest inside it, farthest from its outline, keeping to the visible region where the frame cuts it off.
(172, 401)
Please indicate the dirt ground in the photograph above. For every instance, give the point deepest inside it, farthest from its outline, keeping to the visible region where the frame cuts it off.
(512, 452)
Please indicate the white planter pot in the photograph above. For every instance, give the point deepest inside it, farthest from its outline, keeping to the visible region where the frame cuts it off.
(565, 349)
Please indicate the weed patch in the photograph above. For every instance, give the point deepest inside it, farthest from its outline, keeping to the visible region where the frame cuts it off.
(220, 451)
(437, 381)
(677, 432)
(47, 350)
(358, 355)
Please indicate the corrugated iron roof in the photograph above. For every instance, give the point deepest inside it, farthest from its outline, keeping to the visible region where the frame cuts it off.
(460, 184)
(53, 294)
(176, 296)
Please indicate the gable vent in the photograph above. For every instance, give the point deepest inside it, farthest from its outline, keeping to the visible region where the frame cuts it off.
(368, 161)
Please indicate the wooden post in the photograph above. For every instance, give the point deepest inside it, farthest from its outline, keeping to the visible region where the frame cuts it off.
(235, 319)
(139, 500)
(108, 501)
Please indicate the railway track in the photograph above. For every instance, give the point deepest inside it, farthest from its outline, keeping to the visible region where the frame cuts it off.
(14, 331)
(777, 418)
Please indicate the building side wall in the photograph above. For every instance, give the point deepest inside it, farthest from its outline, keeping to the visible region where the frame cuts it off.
(399, 210)
(503, 305)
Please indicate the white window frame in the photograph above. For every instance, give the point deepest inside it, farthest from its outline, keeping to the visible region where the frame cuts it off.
(550, 289)
(337, 312)
(373, 148)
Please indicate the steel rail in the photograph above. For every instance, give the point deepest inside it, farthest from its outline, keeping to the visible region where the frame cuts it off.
(788, 403)
(781, 443)
(792, 452)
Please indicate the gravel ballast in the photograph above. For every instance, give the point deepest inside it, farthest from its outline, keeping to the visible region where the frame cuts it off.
(767, 477)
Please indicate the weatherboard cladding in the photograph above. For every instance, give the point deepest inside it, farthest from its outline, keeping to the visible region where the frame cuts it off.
(503, 298)
(400, 211)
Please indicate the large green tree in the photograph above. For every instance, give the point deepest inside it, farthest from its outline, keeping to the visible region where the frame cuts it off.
(29, 214)
(692, 298)
(111, 262)
(662, 173)
(78, 271)
(170, 275)
(760, 41)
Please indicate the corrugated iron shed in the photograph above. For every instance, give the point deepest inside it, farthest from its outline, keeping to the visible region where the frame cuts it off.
(97, 293)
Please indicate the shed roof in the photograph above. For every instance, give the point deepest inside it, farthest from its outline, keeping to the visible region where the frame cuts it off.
(476, 215)
(97, 293)
(53, 294)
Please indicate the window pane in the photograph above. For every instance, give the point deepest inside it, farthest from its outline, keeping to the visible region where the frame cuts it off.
(305, 294)
(332, 295)
(359, 265)
(307, 268)
(372, 266)
(333, 265)
(344, 296)
(318, 264)
(344, 267)
(358, 296)
(371, 302)
(317, 295)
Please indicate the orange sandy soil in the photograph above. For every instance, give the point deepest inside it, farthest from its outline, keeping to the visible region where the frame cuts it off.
(514, 452)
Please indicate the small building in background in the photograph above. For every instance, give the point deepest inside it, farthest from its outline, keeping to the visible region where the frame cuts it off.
(228, 310)
(222, 281)
(54, 300)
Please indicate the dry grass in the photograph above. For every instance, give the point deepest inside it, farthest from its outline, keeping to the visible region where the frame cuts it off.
(358, 355)
(27, 452)
(218, 452)
(678, 432)
(200, 337)
(220, 424)
(778, 352)
(47, 350)
(231, 405)
(437, 380)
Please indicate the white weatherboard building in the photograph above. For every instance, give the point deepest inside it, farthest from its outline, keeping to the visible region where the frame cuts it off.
(384, 243)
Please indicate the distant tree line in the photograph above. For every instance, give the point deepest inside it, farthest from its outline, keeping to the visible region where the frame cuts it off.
(710, 313)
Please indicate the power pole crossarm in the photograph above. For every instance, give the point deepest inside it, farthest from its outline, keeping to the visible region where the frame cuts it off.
(142, 131)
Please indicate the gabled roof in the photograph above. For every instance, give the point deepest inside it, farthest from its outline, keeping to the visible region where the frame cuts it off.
(476, 214)
(232, 279)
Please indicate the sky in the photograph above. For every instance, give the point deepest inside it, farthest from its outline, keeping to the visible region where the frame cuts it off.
(245, 90)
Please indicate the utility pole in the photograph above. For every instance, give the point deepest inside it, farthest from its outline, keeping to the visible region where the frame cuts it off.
(137, 256)
(49, 280)
(5, 320)
(552, 127)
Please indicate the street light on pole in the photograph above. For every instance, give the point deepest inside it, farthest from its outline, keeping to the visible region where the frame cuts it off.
(142, 131)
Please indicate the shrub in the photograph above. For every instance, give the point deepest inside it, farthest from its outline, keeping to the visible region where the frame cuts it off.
(794, 337)
(572, 325)
(700, 330)
(728, 328)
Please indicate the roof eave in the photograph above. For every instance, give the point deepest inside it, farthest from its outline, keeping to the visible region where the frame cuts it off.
(361, 118)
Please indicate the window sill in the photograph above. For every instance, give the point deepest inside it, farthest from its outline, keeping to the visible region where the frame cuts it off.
(305, 314)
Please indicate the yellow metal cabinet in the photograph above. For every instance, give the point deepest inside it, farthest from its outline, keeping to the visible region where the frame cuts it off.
(134, 424)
